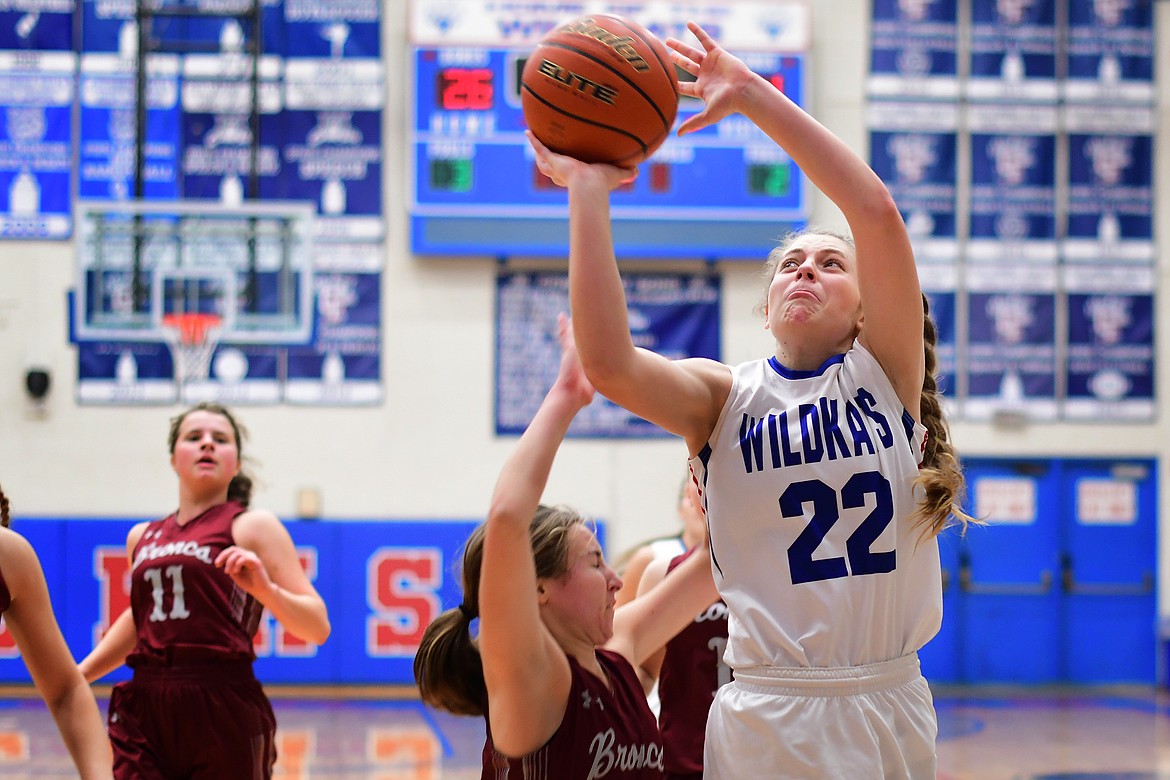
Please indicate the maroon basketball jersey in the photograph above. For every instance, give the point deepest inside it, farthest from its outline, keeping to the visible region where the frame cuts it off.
(692, 669)
(604, 734)
(185, 609)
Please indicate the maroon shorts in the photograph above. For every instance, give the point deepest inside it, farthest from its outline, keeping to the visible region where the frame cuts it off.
(208, 721)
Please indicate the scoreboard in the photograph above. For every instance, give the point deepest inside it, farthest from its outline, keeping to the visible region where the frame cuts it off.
(723, 192)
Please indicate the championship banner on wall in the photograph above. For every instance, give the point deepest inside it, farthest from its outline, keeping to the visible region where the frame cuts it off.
(1110, 361)
(1013, 184)
(1013, 52)
(36, 148)
(914, 50)
(1110, 185)
(108, 122)
(344, 362)
(37, 90)
(1011, 360)
(675, 315)
(913, 148)
(1110, 52)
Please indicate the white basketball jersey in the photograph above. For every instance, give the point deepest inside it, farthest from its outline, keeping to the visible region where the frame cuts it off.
(807, 481)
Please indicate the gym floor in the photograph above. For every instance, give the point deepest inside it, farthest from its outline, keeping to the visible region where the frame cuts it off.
(984, 734)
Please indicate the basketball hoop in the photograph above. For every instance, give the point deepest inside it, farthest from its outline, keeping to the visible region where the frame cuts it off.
(192, 336)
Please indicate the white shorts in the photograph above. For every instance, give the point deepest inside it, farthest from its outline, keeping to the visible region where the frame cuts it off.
(858, 722)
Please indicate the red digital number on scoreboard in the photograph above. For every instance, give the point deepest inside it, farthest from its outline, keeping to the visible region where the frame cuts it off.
(466, 89)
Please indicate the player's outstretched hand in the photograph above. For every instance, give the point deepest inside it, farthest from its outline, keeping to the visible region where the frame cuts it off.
(719, 78)
(563, 169)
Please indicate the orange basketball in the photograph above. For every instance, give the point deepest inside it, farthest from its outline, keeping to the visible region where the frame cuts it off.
(600, 88)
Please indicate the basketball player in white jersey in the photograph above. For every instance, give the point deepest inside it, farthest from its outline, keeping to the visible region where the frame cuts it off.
(825, 468)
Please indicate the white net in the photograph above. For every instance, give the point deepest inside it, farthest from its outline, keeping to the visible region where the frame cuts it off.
(192, 338)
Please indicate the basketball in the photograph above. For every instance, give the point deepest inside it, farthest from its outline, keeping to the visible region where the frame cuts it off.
(600, 88)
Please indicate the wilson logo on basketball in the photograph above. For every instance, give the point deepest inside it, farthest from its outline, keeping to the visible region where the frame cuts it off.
(622, 45)
(577, 82)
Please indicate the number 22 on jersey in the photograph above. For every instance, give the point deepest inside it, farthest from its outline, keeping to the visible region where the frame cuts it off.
(827, 507)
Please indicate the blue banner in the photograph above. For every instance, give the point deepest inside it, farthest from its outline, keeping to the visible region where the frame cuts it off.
(1013, 51)
(1110, 366)
(914, 50)
(1110, 52)
(675, 315)
(1011, 361)
(332, 29)
(342, 365)
(334, 158)
(36, 146)
(40, 25)
(1013, 184)
(109, 128)
(224, 156)
(913, 148)
(1110, 185)
(125, 372)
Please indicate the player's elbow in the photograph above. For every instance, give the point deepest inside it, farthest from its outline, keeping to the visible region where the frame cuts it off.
(324, 627)
(317, 628)
(62, 689)
(880, 207)
(320, 632)
(607, 371)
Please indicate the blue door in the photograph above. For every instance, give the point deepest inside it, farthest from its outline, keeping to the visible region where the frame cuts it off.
(1008, 573)
(1109, 571)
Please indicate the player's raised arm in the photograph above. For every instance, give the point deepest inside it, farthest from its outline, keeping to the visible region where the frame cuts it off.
(683, 397)
(886, 272)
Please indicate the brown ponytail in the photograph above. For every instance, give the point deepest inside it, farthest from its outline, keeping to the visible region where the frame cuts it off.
(940, 476)
(3, 510)
(447, 667)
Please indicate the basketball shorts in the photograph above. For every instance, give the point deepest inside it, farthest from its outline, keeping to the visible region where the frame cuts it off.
(872, 722)
(203, 722)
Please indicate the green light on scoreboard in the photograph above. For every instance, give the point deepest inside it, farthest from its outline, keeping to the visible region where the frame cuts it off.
(451, 175)
(773, 180)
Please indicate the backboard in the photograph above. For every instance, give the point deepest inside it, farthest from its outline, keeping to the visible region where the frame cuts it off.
(141, 264)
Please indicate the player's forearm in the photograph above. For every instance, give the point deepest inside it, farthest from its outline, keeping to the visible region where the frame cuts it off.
(82, 730)
(596, 293)
(302, 614)
(828, 162)
(111, 650)
(526, 470)
(651, 620)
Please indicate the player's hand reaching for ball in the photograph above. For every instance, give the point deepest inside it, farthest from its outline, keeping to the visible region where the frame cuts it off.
(246, 570)
(567, 171)
(720, 78)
